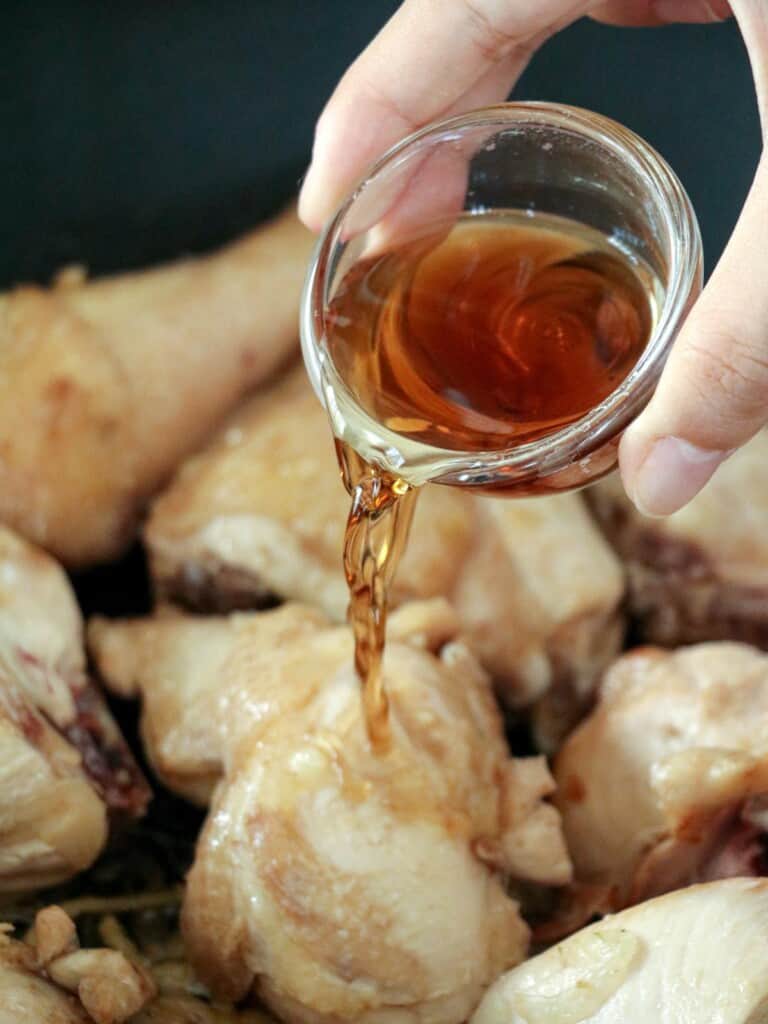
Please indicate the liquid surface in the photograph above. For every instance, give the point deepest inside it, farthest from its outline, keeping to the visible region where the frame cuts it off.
(479, 338)
(498, 332)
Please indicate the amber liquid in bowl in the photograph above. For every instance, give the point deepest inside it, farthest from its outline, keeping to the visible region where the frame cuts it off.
(478, 337)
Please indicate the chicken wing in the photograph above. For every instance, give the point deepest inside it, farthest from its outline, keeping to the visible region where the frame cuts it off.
(702, 573)
(114, 381)
(260, 514)
(336, 883)
(63, 764)
(666, 782)
(695, 957)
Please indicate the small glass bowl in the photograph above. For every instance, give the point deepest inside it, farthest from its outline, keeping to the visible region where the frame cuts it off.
(537, 157)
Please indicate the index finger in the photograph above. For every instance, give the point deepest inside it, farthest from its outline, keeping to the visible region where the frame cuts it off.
(433, 58)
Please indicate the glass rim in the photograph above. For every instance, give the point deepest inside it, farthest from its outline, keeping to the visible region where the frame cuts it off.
(587, 433)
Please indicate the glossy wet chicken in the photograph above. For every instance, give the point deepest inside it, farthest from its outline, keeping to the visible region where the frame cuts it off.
(63, 763)
(336, 883)
(261, 512)
(702, 573)
(698, 956)
(106, 385)
(665, 783)
(180, 667)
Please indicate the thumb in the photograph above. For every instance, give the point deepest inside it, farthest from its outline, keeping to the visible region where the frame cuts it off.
(713, 393)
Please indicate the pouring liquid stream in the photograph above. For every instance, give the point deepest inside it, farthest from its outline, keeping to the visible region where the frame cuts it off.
(478, 337)
(375, 537)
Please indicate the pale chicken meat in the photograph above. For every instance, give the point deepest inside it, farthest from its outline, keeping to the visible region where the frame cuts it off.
(64, 767)
(333, 882)
(106, 385)
(179, 665)
(666, 782)
(260, 515)
(702, 573)
(697, 956)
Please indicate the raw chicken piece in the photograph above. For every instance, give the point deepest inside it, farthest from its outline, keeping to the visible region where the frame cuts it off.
(697, 956)
(63, 763)
(701, 574)
(665, 783)
(106, 385)
(336, 883)
(260, 514)
(179, 665)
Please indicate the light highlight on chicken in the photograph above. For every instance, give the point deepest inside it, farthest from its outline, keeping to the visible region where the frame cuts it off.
(692, 957)
(665, 783)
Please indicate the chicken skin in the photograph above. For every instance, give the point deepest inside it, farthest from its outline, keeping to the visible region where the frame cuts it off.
(665, 783)
(336, 883)
(702, 573)
(260, 514)
(179, 665)
(63, 764)
(697, 956)
(114, 381)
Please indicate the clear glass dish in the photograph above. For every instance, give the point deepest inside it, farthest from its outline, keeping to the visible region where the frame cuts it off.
(537, 157)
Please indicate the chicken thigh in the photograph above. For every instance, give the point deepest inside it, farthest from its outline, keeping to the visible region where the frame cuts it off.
(665, 783)
(336, 883)
(697, 956)
(114, 381)
(260, 514)
(63, 763)
(702, 573)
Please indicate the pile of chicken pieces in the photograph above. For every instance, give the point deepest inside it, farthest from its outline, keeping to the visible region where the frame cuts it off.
(332, 884)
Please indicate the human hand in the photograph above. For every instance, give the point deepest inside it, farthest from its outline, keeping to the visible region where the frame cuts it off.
(713, 395)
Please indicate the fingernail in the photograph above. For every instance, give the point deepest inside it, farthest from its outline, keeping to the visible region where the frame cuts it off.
(672, 473)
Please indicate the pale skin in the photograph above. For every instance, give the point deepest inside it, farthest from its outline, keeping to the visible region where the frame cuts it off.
(441, 57)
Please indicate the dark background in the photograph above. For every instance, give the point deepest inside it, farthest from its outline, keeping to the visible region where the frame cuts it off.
(133, 132)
